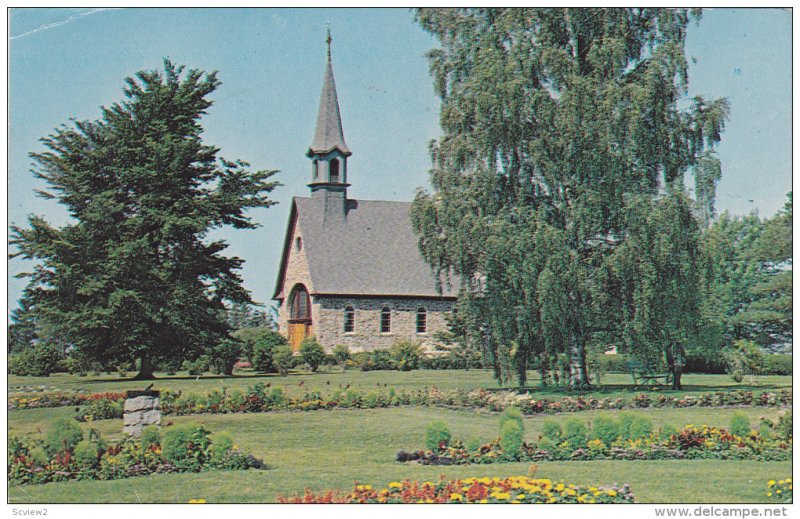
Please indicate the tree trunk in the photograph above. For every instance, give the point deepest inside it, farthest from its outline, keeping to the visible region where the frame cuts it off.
(146, 369)
(578, 376)
(675, 366)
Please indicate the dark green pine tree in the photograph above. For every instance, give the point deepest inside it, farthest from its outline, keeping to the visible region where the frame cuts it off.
(135, 275)
(553, 120)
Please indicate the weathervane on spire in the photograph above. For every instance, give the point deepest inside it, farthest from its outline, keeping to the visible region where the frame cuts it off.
(329, 40)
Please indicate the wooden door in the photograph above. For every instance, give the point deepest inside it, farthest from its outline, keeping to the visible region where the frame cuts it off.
(298, 332)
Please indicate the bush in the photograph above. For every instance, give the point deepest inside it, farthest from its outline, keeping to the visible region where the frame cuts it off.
(740, 424)
(151, 436)
(668, 431)
(641, 427)
(341, 354)
(624, 425)
(613, 363)
(605, 428)
(512, 414)
(511, 439)
(282, 358)
(375, 360)
(312, 352)
(575, 433)
(777, 364)
(87, 453)
(437, 435)
(701, 364)
(63, 435)
(185, 446)
(744, 358)
(552, 430)
(406, 355)
(784, 428)
(222, 444)
(224, 355)
(258, 345)
(37, 361)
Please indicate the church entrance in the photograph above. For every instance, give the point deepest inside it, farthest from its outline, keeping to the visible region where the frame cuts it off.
(299, 316)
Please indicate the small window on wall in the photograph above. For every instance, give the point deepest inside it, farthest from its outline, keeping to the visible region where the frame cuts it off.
(349, 319)
(315, 168)
(422, 321)
(386, 320)
(298, 243)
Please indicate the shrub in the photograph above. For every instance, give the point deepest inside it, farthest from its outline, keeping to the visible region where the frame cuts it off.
(745, 358)
(511, 439)
(151, 436)
(258, 345)
(87, 453)
(39, 360)
(624, 424)
(437, 435)
(282, 358)
(376, 360)
(185, 446)
(551, 430)
(604, 428)
(784, 428)
(777, 364)
(575, 433)
(222, 443)
(512, 414)
(613, 363)
(740, 424)
(641, 427)
(63, 435)
(668, 430)
(224, 355)
(312, 352)
(406, 355)
(341, 354)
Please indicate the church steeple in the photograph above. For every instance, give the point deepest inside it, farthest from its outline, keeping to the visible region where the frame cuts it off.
(328, 151)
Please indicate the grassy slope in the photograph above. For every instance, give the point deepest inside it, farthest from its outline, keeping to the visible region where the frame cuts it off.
(332, 449)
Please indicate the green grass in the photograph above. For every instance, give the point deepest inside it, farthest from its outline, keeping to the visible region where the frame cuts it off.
(614, 385)
(332, 449)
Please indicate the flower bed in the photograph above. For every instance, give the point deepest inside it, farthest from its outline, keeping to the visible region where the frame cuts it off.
(518, 489)
(64, 454)
(780, 490)
(692, 443)
(260, 398)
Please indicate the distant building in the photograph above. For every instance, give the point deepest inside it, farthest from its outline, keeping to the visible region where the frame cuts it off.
(351, 272)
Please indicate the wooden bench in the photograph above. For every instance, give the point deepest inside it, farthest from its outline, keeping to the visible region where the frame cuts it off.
(643, 374)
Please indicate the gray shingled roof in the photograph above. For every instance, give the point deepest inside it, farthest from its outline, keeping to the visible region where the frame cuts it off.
(329, 134)
(373, 252)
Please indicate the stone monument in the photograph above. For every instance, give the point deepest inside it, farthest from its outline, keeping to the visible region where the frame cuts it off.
(141, 408)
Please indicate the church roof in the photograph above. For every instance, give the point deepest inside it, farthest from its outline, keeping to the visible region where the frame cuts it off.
(329, 134)
(372, 252)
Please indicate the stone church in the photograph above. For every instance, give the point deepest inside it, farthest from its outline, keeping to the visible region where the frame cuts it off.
(351, 272)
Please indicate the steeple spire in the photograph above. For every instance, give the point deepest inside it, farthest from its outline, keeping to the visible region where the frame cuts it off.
(329, 134)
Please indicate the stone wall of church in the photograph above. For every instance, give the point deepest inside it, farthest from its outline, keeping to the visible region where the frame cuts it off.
(296, 272)
(328, 318)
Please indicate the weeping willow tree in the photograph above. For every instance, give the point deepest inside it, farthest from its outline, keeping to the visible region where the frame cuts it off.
(553, 122)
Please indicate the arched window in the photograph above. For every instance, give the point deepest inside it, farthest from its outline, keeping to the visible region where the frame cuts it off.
(349, 319)
(315, 169)
(299, 304)
(334, 177)
(422, 321)
(386, 320)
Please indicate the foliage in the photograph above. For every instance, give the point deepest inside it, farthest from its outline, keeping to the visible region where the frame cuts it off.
(151, 437)
(224, 355)
(740, 424)
(134, 275)
(282, 358)
(744, 358)
(63, 435)
(575, 433)
(186, 448)
(242, 316)
(341, 353)
(258, 345)
(38, 360)
(406, 355)
(519, 489)
(605, 429)
(557, 124)
(552, 430)
(511, 440)
(312, 352)
(512, 414)
(437, 435)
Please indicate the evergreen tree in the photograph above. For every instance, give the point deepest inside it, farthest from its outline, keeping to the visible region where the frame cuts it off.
(135, 275)
(553, 121)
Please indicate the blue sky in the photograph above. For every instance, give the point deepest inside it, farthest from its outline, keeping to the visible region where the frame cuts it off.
(66, 63)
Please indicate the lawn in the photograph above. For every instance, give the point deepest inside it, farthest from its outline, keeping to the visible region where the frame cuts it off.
(332, 449)
(296, 383)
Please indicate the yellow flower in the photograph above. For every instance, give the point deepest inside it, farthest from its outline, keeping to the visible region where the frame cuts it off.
(521, 496)
(771, 482)
(769, 494)
(395, 484)
(456, 497)
(483, 501)
(612, 493)
(197, 501)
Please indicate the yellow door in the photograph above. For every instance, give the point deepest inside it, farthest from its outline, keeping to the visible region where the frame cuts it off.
(298, 332)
